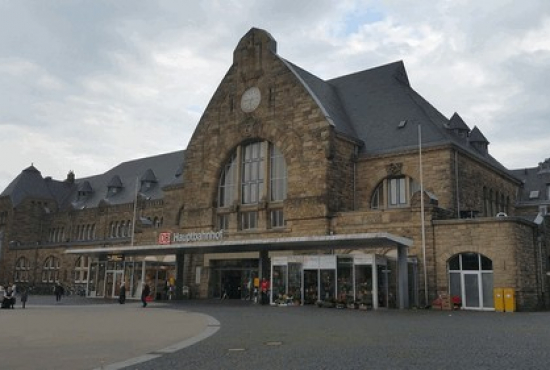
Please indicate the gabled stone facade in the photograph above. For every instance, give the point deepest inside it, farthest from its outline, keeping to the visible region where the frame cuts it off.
(338, 182)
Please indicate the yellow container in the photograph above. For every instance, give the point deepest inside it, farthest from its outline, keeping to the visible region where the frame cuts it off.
(498, 297)
(509, 300)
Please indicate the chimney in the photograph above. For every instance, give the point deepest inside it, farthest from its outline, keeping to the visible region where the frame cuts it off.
(70, 177)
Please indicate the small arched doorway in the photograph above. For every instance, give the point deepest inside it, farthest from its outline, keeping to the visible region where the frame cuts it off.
(471, 278)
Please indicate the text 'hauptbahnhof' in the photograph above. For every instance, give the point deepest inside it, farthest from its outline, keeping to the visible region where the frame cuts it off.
(353, 190)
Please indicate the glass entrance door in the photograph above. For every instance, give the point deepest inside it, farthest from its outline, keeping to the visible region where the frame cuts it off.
(112, 283)
(311, 288)
(471, 290)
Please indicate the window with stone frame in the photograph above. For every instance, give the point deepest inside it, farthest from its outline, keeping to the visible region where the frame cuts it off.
(50, 270)
(223, 221)
(255, 174)
(276, 218)
(22, 270)
(81, 270)
(249, 220)
(394, 192)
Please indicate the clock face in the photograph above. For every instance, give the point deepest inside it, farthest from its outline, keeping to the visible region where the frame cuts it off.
(251, 99)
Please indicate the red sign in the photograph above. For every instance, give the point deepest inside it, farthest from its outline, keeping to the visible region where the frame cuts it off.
(164, 238)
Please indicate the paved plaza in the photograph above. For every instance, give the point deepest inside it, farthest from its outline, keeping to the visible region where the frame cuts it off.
(81, 333)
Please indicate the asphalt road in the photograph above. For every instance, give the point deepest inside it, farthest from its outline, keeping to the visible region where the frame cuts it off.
(239, 335)
(260, 337)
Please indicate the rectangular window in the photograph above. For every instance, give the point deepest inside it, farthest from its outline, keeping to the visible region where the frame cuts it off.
(223, 222)
(277, 218)
(252, 173)
(397, 192)
(249, 220)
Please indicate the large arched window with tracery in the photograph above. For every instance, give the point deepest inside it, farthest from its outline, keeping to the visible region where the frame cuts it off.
(254, 174)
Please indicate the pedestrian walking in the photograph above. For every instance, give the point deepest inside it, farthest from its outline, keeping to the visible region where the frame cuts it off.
(24, 296)
(145, 294)
(122, 293)
(225, 290)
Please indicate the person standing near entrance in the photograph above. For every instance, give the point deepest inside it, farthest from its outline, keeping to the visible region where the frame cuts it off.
(58, 291)
(144, 294)
(225, 292)
(264, 286)
(122, 293)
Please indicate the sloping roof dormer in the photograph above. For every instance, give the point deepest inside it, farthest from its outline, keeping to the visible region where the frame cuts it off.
(478, 141)
(114, 186)
(148, 179)
(458, 126)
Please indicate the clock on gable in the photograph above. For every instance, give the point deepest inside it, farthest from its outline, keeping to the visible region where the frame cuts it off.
(251, 99)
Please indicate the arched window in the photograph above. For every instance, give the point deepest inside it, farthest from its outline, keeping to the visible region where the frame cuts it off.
(278, 175)
(394, 192)
(471, 278)
(22, 270)
(129, 230)
(228, 183)
(50, 270)
(80, 272)
(259, 168)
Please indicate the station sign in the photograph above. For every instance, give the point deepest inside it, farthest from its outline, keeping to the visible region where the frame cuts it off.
(166, 238)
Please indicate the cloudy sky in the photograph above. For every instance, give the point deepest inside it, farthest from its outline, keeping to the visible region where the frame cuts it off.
(85, 85)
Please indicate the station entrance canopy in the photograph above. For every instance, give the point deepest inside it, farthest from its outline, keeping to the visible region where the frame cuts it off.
(340, 241)
(214, 243)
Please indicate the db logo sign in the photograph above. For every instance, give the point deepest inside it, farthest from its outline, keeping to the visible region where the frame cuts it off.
(164, 238)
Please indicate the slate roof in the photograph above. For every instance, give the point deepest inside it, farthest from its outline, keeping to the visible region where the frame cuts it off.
(457, 123)
(535, 181)
(30, 184)
(379, 108)
(149, 175)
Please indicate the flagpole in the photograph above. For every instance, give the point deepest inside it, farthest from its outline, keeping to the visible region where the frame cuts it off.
(422, 216)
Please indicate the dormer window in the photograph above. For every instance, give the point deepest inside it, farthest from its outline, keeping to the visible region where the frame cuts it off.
(148, 180)
(114, 186)
(84, 190)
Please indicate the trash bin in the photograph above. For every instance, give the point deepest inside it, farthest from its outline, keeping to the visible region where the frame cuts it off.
(498, 297)
(509, 300)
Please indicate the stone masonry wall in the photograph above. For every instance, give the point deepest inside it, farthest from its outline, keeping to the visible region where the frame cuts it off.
(508, 242)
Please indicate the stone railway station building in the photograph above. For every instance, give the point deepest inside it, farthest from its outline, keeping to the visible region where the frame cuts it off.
(352, 190)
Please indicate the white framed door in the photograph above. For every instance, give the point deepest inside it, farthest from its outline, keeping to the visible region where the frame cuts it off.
(471, 278)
